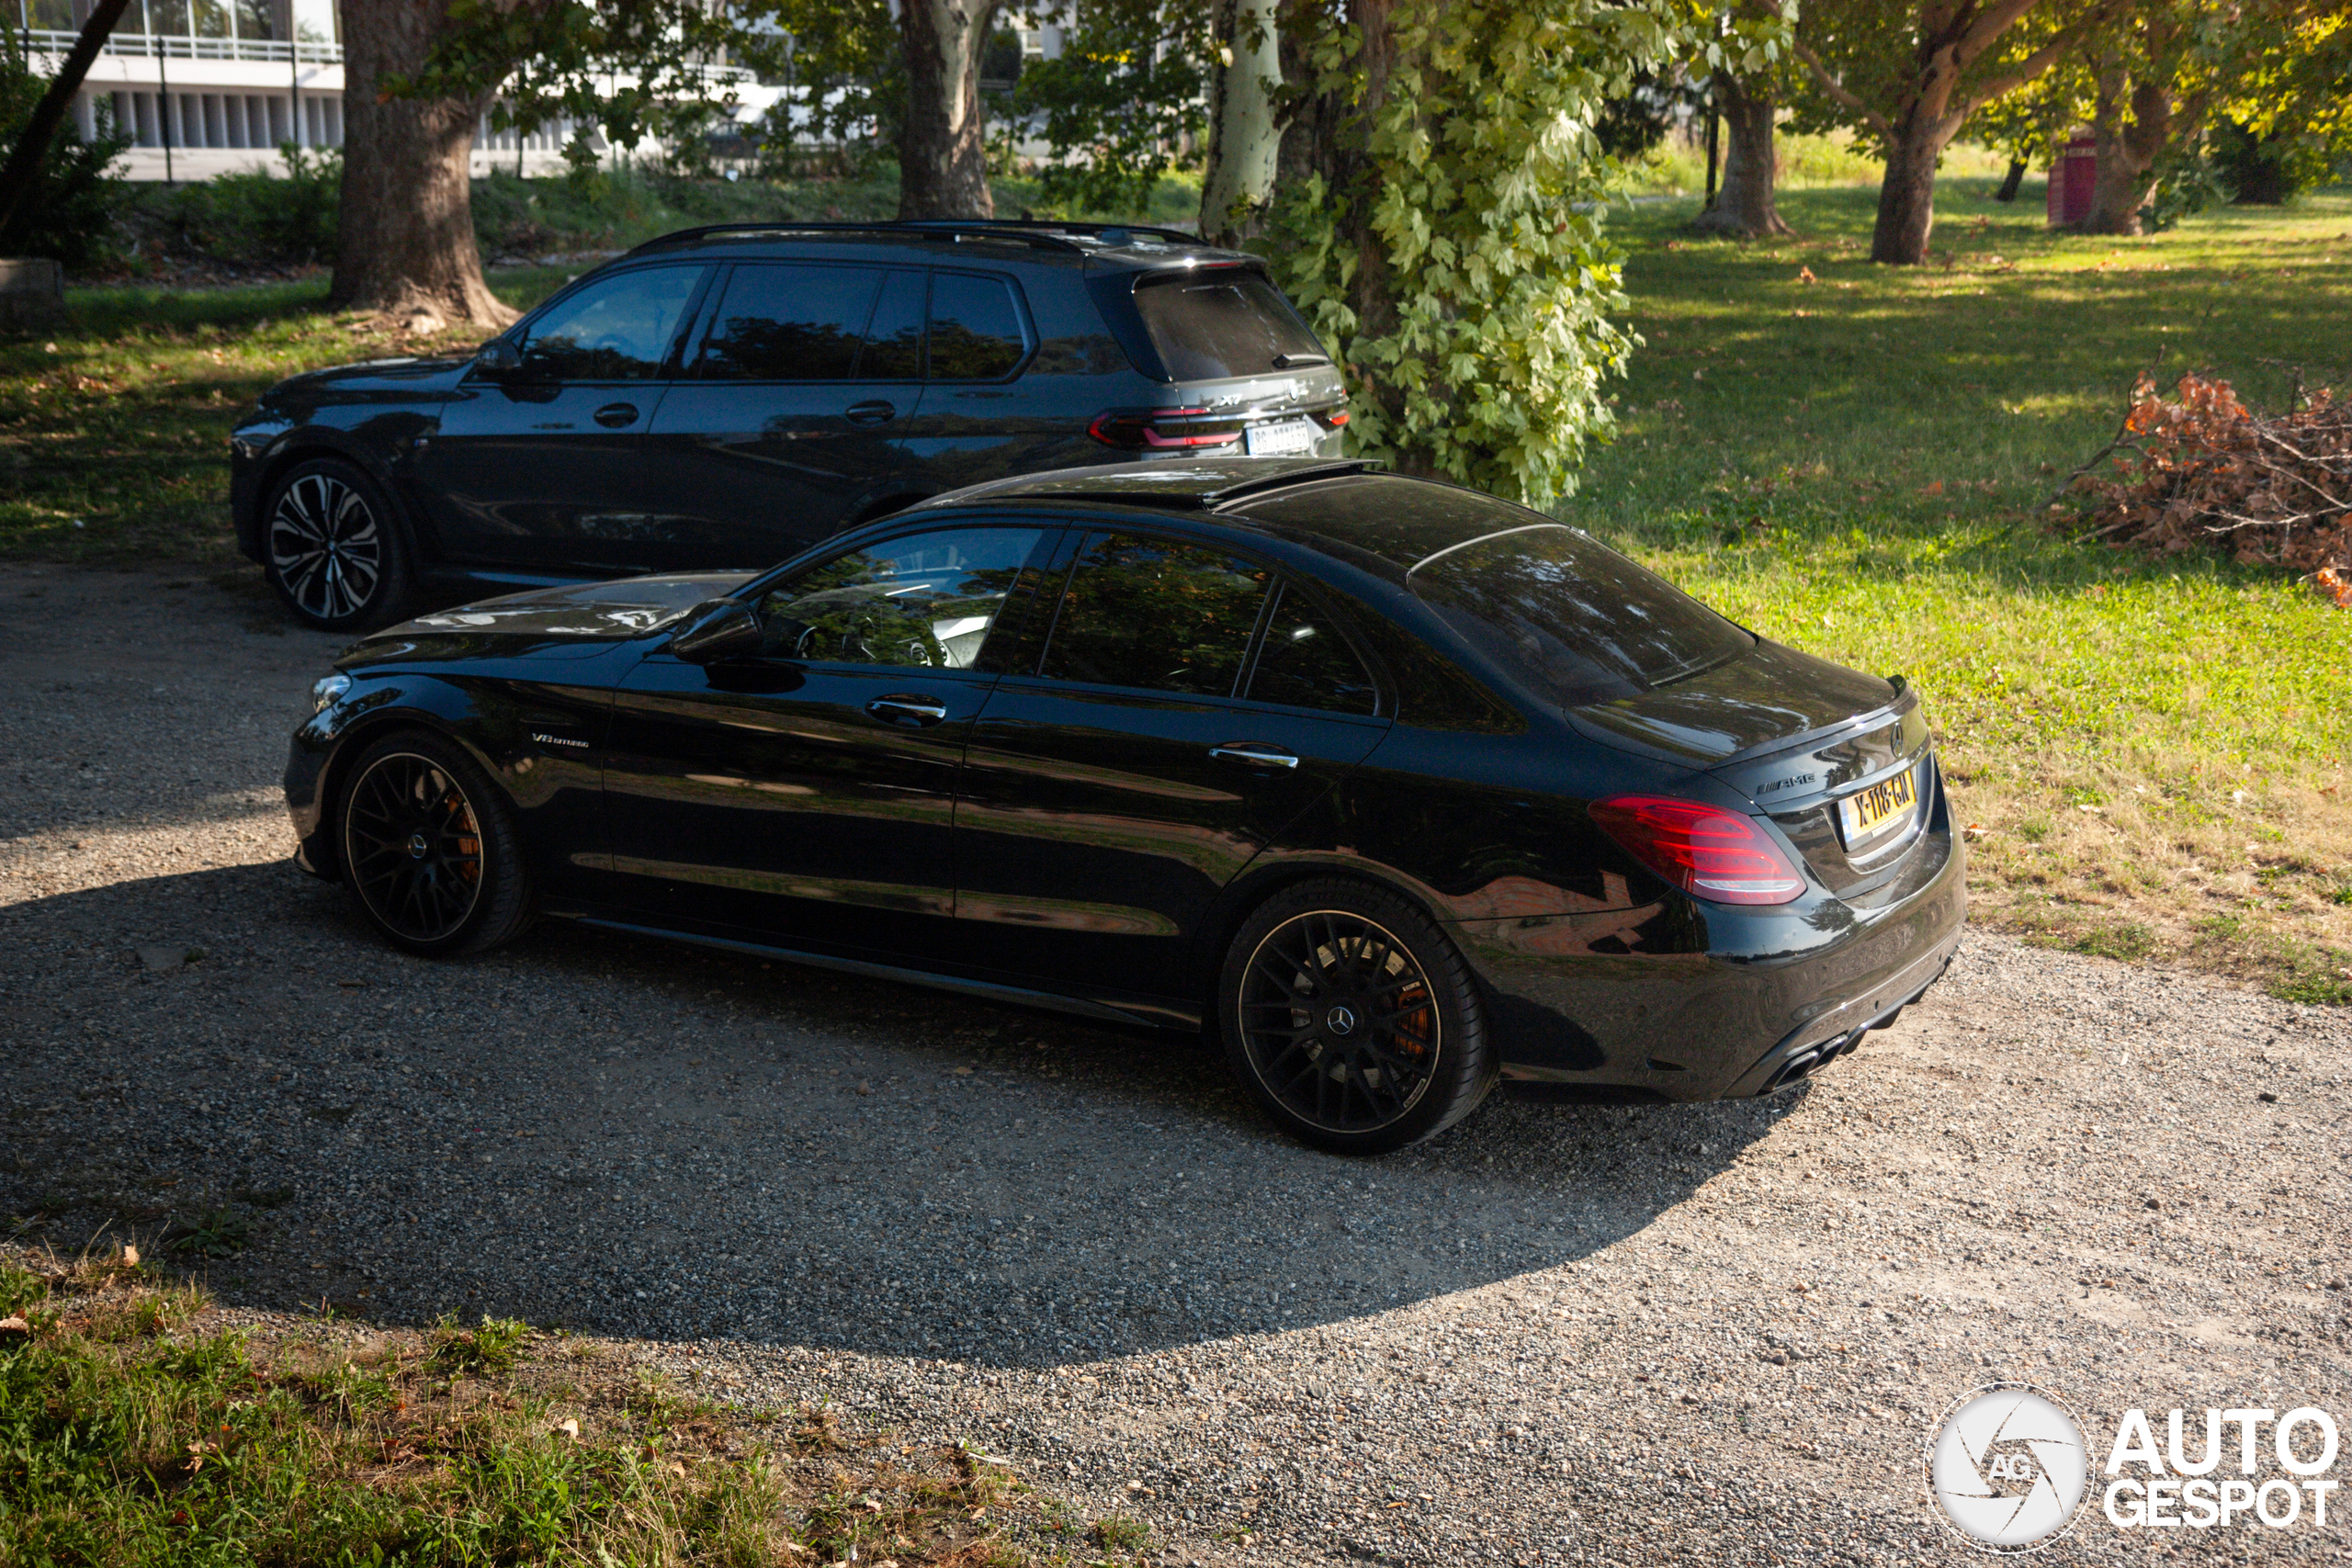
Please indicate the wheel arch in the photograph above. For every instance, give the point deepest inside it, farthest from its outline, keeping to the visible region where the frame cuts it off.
(304, 446)
(1247, 892)
(334, 776)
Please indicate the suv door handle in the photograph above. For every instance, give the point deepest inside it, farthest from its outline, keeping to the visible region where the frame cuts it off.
(874, 411)
(1257, 754)
(612, 417)
(909, 712)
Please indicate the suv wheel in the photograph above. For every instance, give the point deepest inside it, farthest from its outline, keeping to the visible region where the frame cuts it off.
(333, 548)
(1351, 1020)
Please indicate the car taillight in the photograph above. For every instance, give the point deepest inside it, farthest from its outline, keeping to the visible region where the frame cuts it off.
(1705, 851)
(1163, 429)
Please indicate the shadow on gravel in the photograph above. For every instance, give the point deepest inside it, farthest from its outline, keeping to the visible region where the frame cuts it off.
(644, 1139)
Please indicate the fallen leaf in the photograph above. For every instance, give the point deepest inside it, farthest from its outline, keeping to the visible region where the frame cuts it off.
(567, 1427)
(1974, 830)
(1935, 486)
(1804, 274)
(131, 1258)
(14, 1324)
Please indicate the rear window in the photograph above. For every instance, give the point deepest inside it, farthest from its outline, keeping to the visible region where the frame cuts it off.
(1210, 327)
(1571, 619)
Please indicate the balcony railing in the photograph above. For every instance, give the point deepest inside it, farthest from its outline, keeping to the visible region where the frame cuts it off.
(179, 45)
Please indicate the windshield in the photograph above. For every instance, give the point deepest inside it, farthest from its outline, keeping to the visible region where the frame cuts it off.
(1212, 326)
(1570, 619)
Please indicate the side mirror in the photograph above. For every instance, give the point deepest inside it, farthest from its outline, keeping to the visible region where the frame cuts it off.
(716, 630)
(498, 356)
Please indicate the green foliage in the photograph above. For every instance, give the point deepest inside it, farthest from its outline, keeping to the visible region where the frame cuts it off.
(1124, 98)
(1452, 254)
(2264, 169)
(631, 69)
(67, 214)
(253, 218)
(845, 82)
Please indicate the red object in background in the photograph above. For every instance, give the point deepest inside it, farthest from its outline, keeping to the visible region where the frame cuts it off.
(2070, 182)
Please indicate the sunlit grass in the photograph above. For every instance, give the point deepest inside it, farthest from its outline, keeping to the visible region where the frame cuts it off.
(1859, 464)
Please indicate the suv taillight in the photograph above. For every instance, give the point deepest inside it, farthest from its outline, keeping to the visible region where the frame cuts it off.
(1705, 851)
(1133, 429)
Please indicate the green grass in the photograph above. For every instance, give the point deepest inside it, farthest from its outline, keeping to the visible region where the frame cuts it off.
(1859, 465)
(135, 1432)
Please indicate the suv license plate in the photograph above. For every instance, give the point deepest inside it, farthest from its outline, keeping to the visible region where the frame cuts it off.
(1887, 804)
(1289, 438)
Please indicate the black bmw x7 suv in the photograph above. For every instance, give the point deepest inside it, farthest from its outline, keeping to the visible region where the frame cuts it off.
(724, 396)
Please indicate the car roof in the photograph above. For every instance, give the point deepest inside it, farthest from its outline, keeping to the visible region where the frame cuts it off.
(1348, 508)
(1127, 247)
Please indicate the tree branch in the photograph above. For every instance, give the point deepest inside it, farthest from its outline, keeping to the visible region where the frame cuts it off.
(23, 168)
(1837, 89)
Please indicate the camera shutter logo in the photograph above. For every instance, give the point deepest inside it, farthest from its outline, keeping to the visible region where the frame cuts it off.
(2006, 1467)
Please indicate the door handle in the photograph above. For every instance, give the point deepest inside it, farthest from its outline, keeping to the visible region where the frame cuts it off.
(874, 411)
(612, 417)
(1257, 754)
(909, 712)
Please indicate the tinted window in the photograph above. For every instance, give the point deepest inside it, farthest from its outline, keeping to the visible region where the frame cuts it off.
(617, 330)
(1306, 663)
(894, 338)
(975, 328)
(1227, 323)
(1153, 612)
(1572, 619)
(789, 323)
(925, 601)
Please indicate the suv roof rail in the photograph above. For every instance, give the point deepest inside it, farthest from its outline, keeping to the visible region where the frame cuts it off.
(1040, 233)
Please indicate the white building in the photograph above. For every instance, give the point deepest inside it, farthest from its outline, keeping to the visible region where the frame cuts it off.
(204, 87)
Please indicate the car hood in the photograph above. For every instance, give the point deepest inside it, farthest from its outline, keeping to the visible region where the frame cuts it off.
(580, 619)
(1764, 700)
(406, 374)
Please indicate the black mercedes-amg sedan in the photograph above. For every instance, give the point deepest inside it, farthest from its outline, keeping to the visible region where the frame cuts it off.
(1393, 786)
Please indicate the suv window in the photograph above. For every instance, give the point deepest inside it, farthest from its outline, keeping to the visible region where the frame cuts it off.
(924, 601)
(975, 328)
(894, 339)
(789, 323)
(620, 329)
(1306, 663)
(1232, 322)
(1156, 613)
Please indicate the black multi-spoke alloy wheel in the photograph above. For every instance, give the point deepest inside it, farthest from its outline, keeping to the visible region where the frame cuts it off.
(333, 548)
(1351, 1019)
(429, 846)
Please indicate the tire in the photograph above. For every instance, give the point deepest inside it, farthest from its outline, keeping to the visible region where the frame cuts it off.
(1351, 1020)
(430, 848)
(334, 547)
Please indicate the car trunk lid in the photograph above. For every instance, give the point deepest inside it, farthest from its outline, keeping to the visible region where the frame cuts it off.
(1840, 760)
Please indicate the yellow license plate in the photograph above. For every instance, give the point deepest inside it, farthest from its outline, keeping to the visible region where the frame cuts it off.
(1885, 805)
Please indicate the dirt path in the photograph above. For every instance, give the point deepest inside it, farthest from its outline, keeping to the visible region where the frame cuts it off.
(1561, 1334)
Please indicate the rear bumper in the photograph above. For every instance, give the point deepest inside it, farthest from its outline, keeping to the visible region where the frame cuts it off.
(1751, 1003)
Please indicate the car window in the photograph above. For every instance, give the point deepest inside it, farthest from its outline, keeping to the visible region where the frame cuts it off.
(616, 330)
(1571, 618)
(1156, 613)
(789, 323)
(1306, 663)
(894, 338)
(975, 328)
(925, 601)
(1231, 323)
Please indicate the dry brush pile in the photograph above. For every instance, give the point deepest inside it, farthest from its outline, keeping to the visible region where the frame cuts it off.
(2212, 474)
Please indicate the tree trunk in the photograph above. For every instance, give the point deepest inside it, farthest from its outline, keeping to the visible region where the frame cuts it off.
(1907, 196)
(2126, 151)
(1245, 136)
(22, 172)
(1744, 205)
(2009, 182)
(943, 146)
(405, 235)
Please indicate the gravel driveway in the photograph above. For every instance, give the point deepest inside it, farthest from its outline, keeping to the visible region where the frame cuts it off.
(1561, 1333)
